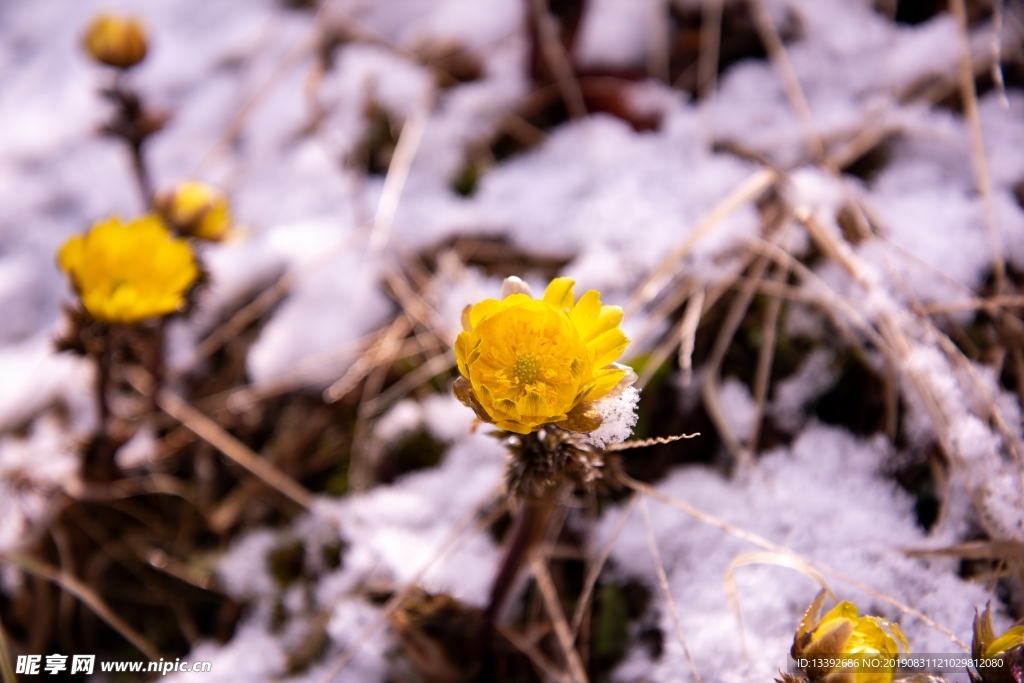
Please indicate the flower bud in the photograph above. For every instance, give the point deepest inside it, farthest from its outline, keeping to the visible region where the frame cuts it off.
(116, 41)
(194, 209)
(842, 647)
(1008, 648)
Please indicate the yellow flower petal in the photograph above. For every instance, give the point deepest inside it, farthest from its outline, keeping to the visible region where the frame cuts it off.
(531, 362)
(1009, 640)
(127, 272)
(606, 348)
(559, 293)
(604, 381)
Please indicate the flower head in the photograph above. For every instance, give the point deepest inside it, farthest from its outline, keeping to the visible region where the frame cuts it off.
(842, 633)
(115, 41)
(127, 272)
(1005, 653)
(528, 362)
(195, 209)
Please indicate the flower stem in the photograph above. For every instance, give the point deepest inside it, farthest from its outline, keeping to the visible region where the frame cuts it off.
(155, 360)
(102, 380)
(132, 125)
(530, 526)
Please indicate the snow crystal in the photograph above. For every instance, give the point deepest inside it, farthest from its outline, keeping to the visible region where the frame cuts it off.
(618, 415)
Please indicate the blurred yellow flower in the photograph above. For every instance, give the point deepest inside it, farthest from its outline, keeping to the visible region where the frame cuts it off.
(127, 272)
(115, 40)
(843, 635)
(195, 209)
(527, 362)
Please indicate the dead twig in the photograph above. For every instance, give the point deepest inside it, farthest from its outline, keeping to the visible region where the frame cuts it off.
(216, 436)
(751, 188)
(969, 99)
(558, 60)
(688, 335)
(663, 582)
(790, 83)
(766, 354)
(554, 609)
(536, 657)
(653, 441)
(595, 569)
(86, 595)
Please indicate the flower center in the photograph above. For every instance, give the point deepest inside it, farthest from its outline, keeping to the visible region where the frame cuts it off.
(526, 368)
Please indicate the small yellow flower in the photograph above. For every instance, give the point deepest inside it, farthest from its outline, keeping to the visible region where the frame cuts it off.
(115, 41)
(842, 634)
(127, 272)
(195, 209)
(528, 362)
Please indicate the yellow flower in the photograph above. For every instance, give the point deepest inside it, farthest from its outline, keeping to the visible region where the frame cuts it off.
(527, 362)
(116, 41)
(842, 634)
(195, 209)
(1005, 652)
(127, 272)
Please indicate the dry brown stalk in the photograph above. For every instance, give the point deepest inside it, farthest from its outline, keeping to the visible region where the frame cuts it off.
(710, 386)
(790, 83)
(663, 582)
(770, 558)
(766, 354)
(663, 309)
(688, 335)
(653, 441)
(398, 171)
(558, 60)
(969, 98)
(652, 285)
(991, 303)
(594, 570)
(86, 595)
(707, 60)
(215, 435)
(973, 550)
(435, 366)
(554, 608)
(382, 352)
(544, 665)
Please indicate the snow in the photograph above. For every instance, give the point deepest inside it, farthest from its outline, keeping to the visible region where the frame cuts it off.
(618, 417)
(809, 498)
